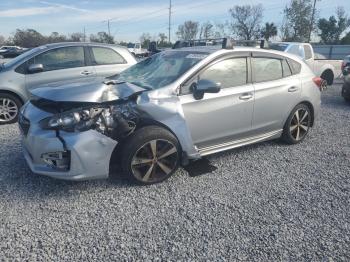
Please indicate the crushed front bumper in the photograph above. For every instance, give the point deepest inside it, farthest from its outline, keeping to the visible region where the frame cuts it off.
(80, 156)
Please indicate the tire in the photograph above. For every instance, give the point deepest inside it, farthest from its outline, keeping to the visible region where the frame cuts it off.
(295, 131)
(144, 155)
(9, 108)
(328, 76)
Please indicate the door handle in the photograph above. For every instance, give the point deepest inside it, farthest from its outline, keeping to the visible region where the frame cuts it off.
(246, 96)
(86, 73)
(292, 89)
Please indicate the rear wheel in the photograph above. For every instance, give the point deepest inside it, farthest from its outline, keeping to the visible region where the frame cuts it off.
(9, 108)
(150, 155)
(328, 76)
(297, 125)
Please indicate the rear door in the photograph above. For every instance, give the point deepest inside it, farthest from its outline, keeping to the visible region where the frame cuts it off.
(107, 61)
(277, 91)
(60, 64)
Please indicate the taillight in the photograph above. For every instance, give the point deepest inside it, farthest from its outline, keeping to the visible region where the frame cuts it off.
(321, 83)
(343, 65)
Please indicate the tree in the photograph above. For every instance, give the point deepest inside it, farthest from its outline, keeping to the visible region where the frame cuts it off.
(246, 20)
(331, 29)
(77, 37)
(206, 30)
(56, 37)
(296, 21)
(220, 30)
(145, 39)
(28, 38)
(2, 40)
(268, 31)
(102, 37)
(346, 39)
(187, 30)
(162, 40)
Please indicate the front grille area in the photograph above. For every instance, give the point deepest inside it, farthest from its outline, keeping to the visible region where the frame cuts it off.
(24, 124)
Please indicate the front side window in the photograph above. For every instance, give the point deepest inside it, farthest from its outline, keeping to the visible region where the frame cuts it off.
(60, 58)
(229, 73)
(295, 50)
(106, 56)
(266, 69)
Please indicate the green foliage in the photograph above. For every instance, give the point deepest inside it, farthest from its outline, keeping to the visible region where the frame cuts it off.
(268, 31)
(297, 19)
(331, 29)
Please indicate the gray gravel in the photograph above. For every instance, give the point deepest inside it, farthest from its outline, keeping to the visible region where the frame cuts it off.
(266, 202)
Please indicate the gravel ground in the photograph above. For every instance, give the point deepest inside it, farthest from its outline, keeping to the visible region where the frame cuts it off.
(265, 202)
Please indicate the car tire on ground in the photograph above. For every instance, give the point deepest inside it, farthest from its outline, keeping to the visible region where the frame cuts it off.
(297, 125)
(150, 155)
(328, 76)
(9, 108)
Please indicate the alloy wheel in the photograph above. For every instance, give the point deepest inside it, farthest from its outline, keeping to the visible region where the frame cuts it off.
(8, 110)
(154, 161)
(300, 124)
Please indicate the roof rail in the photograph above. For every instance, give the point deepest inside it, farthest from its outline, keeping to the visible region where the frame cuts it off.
(225, 43)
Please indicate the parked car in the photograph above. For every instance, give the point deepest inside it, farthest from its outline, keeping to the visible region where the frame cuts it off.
(56, 62)
(4, 48)
(12, 52)
(346, 73)
(137, 50)
(171, 108)
(327, 69)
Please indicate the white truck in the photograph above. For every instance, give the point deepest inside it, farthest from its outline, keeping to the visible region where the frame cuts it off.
(327, 69)
(137, 50)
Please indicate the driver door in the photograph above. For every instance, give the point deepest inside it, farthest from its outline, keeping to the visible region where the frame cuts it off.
(225, 116)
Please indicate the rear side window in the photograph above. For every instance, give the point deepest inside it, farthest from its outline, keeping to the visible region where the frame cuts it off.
(294, 66)
(61, 58)
(308, 52)
(106, 56)
(266, 69)
(229, 73)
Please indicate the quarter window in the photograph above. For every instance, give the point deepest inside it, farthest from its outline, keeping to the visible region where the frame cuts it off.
(267, 69)
(229, 73)
(60, 58)
(106, 56)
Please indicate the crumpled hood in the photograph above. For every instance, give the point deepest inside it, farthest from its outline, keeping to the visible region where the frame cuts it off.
(91, 90)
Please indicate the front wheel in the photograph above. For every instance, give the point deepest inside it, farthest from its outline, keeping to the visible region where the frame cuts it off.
(297, 125)
(9, 108)
(150, 155)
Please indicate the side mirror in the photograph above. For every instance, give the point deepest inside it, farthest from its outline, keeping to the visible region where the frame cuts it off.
(204, 86)
(346, 70)
(35, 68)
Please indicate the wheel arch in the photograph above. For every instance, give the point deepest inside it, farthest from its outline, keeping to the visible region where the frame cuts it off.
(5, 91)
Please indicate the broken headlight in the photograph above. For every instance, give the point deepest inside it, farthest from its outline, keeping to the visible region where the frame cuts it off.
(112, 121)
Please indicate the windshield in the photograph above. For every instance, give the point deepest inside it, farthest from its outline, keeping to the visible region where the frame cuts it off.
(21, 57)
(130, 45)
(278, 47)
(161, 69)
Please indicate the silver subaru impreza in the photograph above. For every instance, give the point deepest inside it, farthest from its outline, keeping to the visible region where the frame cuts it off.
(168, 110)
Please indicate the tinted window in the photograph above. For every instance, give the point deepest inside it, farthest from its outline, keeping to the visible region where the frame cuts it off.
(106, 56)
(308, 52)
(267, 69)
(286, 69)
(295, 50)
(230, 72)
(60, 58)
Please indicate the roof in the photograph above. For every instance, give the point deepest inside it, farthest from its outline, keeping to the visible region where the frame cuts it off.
(78, 44)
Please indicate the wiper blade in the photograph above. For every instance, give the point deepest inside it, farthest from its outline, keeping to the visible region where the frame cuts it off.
(118, 82)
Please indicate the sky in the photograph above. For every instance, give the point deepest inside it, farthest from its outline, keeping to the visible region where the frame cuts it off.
(129, 19)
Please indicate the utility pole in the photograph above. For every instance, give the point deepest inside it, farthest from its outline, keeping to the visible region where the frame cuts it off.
(170, 7)
(84, 34)
(109, 29)
(312, 21)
